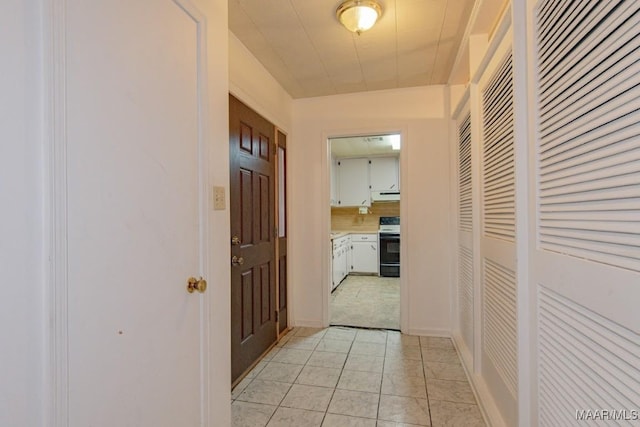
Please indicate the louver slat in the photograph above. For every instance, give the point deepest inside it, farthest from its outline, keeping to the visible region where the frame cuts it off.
(564, 32)
(621, 129)
(597, 85)
(464, 201)
(499, 321)
(498, 155)
(568, 41)
(465, 295)
(589, 138)
(586, 361)
(618, 155)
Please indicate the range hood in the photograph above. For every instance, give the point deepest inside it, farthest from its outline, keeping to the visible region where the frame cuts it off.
(385, 196)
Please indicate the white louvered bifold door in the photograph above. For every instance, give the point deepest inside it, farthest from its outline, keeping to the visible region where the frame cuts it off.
(465, 300)
(499, 355)
(587, 263)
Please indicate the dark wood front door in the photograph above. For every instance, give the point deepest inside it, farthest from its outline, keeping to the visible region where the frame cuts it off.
(252, 203)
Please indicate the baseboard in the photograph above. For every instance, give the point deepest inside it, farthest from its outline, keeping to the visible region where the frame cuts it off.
(429, 332)
(305, 323)
(486, 403)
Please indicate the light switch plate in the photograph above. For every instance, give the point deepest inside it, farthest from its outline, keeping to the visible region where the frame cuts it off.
(219, 202)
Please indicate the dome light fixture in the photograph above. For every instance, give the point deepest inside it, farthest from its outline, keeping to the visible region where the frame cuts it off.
(358, 15)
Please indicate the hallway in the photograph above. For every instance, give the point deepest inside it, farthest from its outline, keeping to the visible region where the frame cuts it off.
(356, 377)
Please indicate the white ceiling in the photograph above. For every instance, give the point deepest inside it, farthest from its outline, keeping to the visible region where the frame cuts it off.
(363, 146)
(306, 49)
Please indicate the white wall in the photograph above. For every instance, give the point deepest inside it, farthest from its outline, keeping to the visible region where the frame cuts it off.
(21, 262)
(421, 114)
(250, 82)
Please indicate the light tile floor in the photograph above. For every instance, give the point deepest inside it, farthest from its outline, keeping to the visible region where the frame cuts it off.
(367, 301)
(343, 377)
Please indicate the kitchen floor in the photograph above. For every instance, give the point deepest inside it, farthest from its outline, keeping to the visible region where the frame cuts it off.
(341, 377)
(367, 301)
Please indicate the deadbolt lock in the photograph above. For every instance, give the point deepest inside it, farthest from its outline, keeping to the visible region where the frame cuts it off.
(194, 284)
(235, 240)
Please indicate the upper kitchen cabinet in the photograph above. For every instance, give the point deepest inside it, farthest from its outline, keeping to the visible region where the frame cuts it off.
(384, 174)
(353, 182)
(333, 172)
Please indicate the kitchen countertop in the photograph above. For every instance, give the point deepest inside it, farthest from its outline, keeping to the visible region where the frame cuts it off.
(338, 234)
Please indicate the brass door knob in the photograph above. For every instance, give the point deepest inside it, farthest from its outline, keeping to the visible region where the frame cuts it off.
(194, 284)
(237, 260)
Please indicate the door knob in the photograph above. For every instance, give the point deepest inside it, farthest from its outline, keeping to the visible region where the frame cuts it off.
(237, 260)
(194, 284)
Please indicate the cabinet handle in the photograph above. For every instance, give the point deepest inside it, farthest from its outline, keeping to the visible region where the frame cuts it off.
(363, 202)
(373, 247)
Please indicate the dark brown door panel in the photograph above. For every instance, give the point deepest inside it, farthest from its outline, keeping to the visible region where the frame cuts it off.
(252, 202)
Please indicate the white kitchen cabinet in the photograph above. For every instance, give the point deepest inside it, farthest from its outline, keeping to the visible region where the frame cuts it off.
(340, 265)
(348, 257)
(333, 172)
(353, 182)
(384, 174)
(364, 253)
(335, 270)
(335, 265)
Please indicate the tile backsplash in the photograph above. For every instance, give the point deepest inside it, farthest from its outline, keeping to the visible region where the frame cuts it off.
(348, 219)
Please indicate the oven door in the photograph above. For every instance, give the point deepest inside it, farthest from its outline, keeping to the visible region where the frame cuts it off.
(389, 254)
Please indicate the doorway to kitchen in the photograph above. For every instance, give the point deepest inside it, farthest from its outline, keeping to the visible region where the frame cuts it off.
(365, 231)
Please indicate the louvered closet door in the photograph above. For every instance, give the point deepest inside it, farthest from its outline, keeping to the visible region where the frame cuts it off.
(587, 263)
(497, 241)
(465, 230)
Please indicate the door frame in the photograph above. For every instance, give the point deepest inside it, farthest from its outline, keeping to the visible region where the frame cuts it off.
(326, 215)
(55, 369)
(286, 225)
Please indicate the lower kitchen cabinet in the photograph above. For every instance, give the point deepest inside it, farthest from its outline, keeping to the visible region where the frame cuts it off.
(353, 253)
(364, 253)
(341, 260)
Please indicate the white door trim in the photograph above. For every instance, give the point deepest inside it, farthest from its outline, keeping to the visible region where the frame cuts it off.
(203, 183)
(56, 219)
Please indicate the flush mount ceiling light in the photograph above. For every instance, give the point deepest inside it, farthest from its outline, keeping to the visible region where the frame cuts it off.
(358, 15)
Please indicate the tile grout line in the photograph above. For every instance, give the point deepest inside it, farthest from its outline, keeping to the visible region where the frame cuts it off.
(326, 412)
(426, 384)
(360, 336)
(314, 350)
(292, 383)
